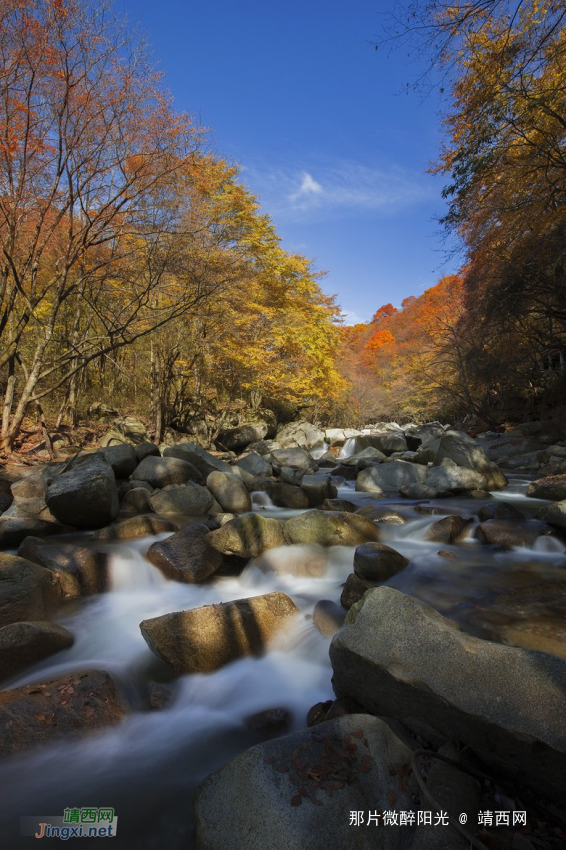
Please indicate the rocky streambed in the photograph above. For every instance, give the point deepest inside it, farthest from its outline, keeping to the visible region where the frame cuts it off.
(315, 619)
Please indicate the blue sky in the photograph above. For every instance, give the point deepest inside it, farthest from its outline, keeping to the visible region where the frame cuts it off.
(323, 129)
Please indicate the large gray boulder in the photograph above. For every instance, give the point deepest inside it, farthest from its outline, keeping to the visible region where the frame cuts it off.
(134, 527)
(29, 498)
(389, 477)
(298, 791)
(23, 644)
(330, 528)
(186, 556)
(318, 488)
(243, 435)
(202, 640)
(86, 496)
(123, 459)
(552, 487)
(553, 514)
(79, 570)
(378, 562)
(230, 492)
(163, 471)
(402, 659)
(389, 442)
(294, 458)
(247, 536)
(13, 531)
(301, 434)
(466, 452)
(255, 464)
(287, 495)
(27, 591)
(450, 478)
(187, 499)
(198, 457)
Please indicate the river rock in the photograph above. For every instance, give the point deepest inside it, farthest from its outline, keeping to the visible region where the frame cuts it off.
(137, 500)
(43, 713)
(466, 452)
(80, 570)
(334, 436)
(294, 458)
(248, 536)
(123, 459)
(366, 457)
(353, 590)
(186, 556)
(504, 532)
(389, 443)
(500, 510)
(163, 471)
(13, 531)
(381, 514)
(301, 434)
(197, 457)
(330, 528)
(554, 514)
(338, 505)
(86, 496)
(188, 499)
(271, 721)
(135, 526)
(318, 488)
(328, 617)
(144, 450)
(287, 495)
(422, 675)
(378, 562)
(29, 498)
(254, 801)
(255, 464)
(448, 477)
(299, 559)
(389, 477)
(550, 487)
(27, 591)
(202, 640)
(23, 644)
(451, 529)
(238, 438)
(230, 492)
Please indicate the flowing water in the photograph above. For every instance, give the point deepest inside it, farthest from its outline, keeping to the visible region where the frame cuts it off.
(147, 767)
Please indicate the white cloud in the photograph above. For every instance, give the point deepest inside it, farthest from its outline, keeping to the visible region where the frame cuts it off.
(308, 186)
(352, 318)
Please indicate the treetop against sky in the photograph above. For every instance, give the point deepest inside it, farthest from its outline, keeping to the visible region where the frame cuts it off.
(324, 128)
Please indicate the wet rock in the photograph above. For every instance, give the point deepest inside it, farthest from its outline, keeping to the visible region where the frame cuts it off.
(300, 559)
(551, 487)
(554, 514)
(160, 696)
(298, 790)
(354, 589)
(444, 553)
(27, 591)
(189, 500)
(230, 492)
(511, 717)
(451, 529)
(186, 556)
(344, 473)
(23, 644)
(123, 459)
(301, 434)
(79, 570)
(13, 531)
(500, 510)
(70, 706)
(294, 458)
(248, 536)
(287, 495)
(163, 471)
(204, 461)
(133, 527)
(376, 514)
(318, 488)
(504, 532)
(338, 505)
(86, 496)
(317, 712)
(269, 722)
(330, 528)
(202, 640)
(137, 500)
(255, 464)
(328, 617)
(389, 477)
(378, 562)
(422, 491)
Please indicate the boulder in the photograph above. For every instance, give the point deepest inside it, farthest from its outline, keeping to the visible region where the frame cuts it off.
(551, 487)
(13, 531)
(422, 491)
(189, 500)
(301, 434)
(389, 477)
(366, 457)
(554, 514)
(186, 556)
(378, 562)
(238, 438)
(353, 590)
(500, 510)
(467, 453)
(294, 458)
(381, 514)
(202, 640)
(318, 488)
(29, 498)
(300, 559)
(389, 443)
(230, 492)
(86, 496)
(27, 591)
(123, 459)
(505, 532)
(132, 429)
(328, 617)
(23, 644)
(163, 471)
(79, 570)
(144, 450)
(334, 435)
(287, 495)
(451, 529)
(298, 791)
(137, 500)
(330, 528)
(338, 505)
(453, 479)
(197, 457)
(255, 464)
(271, 721)
(69, 706)
(133, 527)
(247, 536)
(505, 703)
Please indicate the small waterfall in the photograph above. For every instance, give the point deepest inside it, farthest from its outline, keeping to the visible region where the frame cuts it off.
(348, 449)
(319, 451)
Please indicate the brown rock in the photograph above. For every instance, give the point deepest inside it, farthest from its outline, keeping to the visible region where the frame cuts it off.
(22, 644)
(354, 589)
(186, 556)
(80, 570)
(27, 591)
(247, 536)
(451, 529)
(135, 526)
(378, 562)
